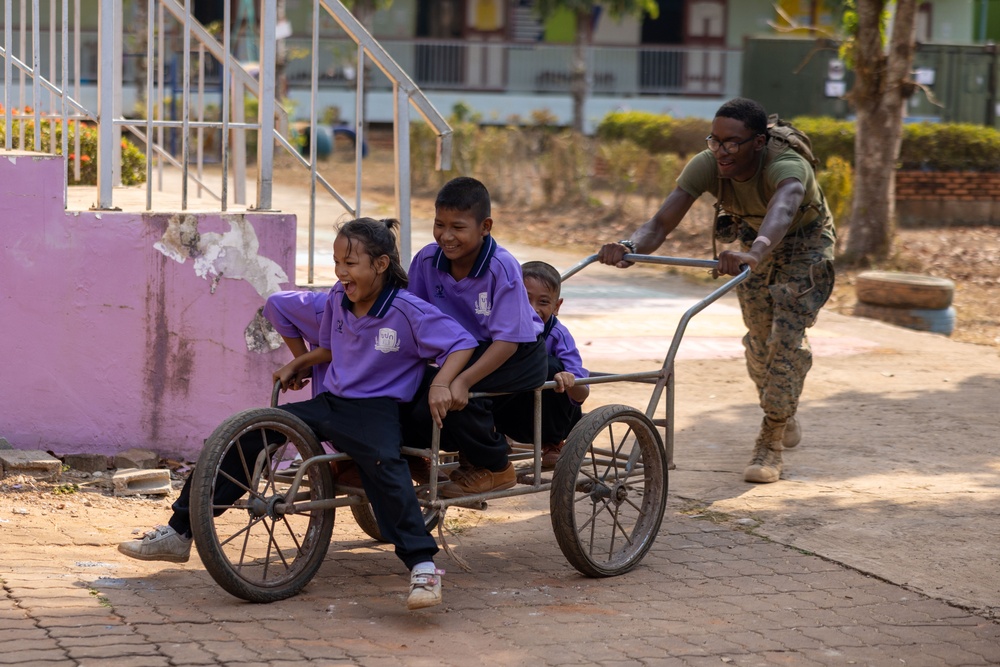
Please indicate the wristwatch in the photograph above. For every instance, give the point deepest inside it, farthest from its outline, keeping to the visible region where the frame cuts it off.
(628, 243)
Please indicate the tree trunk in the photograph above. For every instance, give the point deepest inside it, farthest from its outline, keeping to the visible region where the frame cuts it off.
(579, 79)
(879, 95)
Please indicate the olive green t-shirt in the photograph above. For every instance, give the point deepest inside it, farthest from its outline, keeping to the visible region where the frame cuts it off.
(749, 199)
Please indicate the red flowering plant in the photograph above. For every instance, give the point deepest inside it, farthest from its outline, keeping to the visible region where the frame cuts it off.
(133, 169)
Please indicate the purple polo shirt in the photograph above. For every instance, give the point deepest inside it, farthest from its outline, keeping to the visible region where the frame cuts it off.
(384, 353)
(559, 343)
(491, 302)
(298, 314)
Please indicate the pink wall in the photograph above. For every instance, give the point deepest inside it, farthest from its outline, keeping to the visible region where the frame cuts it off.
(118, 329)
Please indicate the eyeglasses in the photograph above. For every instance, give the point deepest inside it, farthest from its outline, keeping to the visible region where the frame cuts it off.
(729, 147)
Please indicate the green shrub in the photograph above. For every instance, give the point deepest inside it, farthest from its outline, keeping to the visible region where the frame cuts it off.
(831, 138)
(837, 181)
(133, 167)
(949, 147)
(657, 133)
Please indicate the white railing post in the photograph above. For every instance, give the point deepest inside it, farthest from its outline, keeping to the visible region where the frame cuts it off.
(116, 159)
(401, 139)
(8, 43)
(265, 110)
(105, 103)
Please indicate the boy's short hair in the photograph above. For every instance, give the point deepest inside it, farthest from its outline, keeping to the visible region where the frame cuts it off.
(465, 194)
(544, 273)
(747, 111)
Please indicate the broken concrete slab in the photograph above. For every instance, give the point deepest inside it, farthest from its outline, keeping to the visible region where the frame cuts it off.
(135, 482)
(144, 459)
(87, 462)
(34, 462)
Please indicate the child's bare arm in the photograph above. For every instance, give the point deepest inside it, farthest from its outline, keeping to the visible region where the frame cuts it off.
(291, 374)
(493, 358)
(566, 382)
(440, 396)
(297, 346)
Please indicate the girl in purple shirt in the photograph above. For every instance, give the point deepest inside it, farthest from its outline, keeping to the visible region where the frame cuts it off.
(378, 339)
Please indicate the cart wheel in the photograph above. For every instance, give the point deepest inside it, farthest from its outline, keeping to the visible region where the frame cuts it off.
(249, 545)
(365, 517)
(605, 512)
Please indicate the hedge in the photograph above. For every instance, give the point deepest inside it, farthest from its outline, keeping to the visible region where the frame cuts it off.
(926, 146)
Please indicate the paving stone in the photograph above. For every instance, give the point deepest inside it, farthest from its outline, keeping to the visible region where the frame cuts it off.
(135, 481)
(33, 462)
(144, 459)
(86, 462)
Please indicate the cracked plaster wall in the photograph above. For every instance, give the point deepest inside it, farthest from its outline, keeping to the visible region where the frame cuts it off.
(129, 329)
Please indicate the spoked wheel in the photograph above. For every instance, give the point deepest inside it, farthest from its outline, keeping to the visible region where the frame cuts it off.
(248, 543)
(606, 508)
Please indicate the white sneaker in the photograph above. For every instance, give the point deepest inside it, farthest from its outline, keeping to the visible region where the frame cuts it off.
(425, 589)
(161, 543)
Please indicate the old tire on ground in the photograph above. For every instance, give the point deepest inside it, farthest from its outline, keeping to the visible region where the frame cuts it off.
(940, 320)
(904, 290)
(605, 511)
(250, 546)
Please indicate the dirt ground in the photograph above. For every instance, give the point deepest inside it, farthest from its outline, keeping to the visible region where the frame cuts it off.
(967, 255)
(901, 449)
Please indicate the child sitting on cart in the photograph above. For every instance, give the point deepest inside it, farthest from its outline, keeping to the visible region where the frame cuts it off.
(560, 407)
(297, 316)
(469, 276)
(378, 339)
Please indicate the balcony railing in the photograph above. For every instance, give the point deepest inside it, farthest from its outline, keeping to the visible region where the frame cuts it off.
(515, 67)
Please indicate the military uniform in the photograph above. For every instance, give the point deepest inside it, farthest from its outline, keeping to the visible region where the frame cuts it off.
(783, 295)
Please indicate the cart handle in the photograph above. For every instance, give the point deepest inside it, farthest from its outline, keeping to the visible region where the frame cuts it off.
(646, 259)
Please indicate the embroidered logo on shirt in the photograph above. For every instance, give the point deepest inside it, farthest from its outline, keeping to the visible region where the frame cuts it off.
(439, 291)
(340, 326)
(387, 341)
(483, 304)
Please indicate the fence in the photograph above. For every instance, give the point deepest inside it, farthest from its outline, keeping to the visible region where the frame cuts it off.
(183, 63)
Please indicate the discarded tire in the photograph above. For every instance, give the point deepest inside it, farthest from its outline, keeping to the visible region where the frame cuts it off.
(904, 290)
(934, 320)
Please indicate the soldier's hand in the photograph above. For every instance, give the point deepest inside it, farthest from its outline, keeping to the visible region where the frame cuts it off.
(730, 262)
(612, 254)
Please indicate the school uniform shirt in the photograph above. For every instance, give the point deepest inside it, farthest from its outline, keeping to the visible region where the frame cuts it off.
(559, 343)
(385, 352)
(491, 302)
(298, 314)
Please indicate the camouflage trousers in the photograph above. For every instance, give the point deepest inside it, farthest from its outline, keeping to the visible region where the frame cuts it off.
(780, 300)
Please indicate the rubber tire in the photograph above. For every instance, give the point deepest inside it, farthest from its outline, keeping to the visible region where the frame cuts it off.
(940, 321)
(589, 461)
(293, 546)
(904, 290)
(365, 518)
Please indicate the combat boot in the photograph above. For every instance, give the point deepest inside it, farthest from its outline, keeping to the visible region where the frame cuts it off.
(793, 433)
(765, 466)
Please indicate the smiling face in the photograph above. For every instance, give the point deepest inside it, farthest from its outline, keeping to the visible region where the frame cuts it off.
(460, 237)
(544, 300)
(743, 164)
(362, 277)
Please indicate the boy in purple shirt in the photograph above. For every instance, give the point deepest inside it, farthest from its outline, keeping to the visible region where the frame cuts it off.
(561, 406)
(377, 339)
(472, 279)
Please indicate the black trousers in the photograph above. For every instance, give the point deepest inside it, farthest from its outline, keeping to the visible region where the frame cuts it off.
(471, 431)
(559, 415)
(368, 430)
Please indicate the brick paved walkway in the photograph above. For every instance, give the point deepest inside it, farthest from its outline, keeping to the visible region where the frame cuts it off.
(706, 594)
